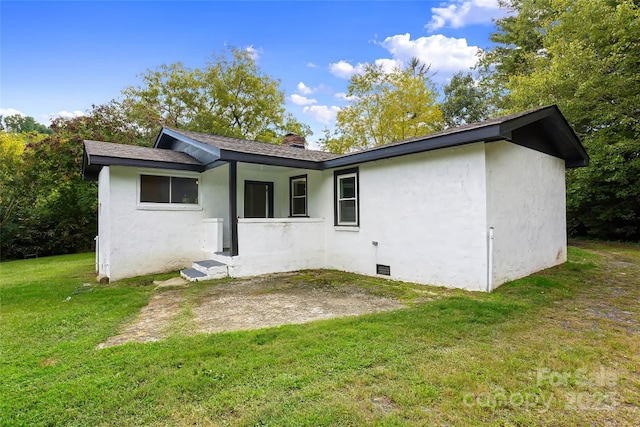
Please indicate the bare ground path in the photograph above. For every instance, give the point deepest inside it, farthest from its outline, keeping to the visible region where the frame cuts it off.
(615, 301)
(241, 304)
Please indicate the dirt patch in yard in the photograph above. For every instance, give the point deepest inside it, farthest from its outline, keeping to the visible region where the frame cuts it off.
(253, 303)
(152, 321)
(617, 302)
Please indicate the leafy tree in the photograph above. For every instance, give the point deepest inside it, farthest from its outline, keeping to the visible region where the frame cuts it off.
(11, 150)
(584, 56)
(15, 192)
(45, 206)
(464, 101)
(231, 96)
(108, 122)
(54, 210)
(386, 107)
(17, 123)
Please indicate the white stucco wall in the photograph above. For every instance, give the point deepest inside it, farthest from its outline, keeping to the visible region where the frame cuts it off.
(278, 245)
(104, 236)
(144, 240)
(426, 211)
(429, 214)
(215, 203)
(216, 186)
(526, 207)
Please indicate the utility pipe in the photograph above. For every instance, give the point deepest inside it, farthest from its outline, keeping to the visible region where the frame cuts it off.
(490, 261)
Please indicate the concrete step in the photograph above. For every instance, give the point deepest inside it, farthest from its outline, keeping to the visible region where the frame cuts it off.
(205, 270)
(223, 257)
(193, 275)
(213, 269)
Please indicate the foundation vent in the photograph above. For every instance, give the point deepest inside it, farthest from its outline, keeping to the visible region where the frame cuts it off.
(384, 270)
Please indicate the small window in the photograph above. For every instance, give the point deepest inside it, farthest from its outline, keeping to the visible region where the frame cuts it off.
(346, 200)
(298, 195)
(168, 189)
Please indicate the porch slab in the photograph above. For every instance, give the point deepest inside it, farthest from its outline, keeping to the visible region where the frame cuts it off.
(208, 263)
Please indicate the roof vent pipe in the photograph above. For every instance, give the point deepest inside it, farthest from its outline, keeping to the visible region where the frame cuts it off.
(293, 140)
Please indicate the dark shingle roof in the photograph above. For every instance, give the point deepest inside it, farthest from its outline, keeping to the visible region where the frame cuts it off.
(124, 151)
(255, 147)
(543, 129)
(98, 154)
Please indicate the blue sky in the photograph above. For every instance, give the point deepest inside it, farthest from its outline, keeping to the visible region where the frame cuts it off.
(59, 58)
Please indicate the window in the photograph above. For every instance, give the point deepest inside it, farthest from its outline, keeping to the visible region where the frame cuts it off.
(168, 189)
(298, 195)
(346, 197)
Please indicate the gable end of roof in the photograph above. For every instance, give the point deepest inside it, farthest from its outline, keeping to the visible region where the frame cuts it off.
(546, 130)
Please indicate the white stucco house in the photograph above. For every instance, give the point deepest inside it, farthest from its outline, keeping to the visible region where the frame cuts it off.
(469, 207)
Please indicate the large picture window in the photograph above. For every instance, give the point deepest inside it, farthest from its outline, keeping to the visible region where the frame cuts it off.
(168, 189)
(346, 205)
(298, 195)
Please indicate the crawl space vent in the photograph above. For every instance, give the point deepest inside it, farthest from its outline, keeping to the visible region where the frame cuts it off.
(385, 270)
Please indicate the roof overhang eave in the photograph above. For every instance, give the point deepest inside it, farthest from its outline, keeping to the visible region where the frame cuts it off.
(564, 139)
(483, 134)
(93, 164)
(261, 159)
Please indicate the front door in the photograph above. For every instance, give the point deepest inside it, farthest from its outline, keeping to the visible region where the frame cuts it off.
(258, 199)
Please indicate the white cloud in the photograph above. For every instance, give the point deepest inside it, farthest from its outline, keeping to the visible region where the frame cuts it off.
(388, 65)
(254, 52)
(44, 118)
(302, 100)
(322, 113)
(344, 97)
(304, 89)
(344, 70)
(460, 13)
(10, 112)
(444, 54)
(311, 65)
(67, 114)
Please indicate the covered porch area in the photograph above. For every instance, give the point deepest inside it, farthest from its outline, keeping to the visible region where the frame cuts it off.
(260, 219)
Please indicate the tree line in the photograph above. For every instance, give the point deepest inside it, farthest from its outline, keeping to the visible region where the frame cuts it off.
(582, 55)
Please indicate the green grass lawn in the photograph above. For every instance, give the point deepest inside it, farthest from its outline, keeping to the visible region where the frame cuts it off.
(561, 347)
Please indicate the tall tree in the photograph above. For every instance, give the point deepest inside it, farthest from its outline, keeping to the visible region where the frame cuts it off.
(231, 96)
(107, 122)
(386, 107)
(45, 206)
(584, 56)
(17, 123)
(465, 101)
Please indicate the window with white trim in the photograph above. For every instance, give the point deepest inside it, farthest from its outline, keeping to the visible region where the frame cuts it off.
(298, 195)
(346, 206)
(168, 189)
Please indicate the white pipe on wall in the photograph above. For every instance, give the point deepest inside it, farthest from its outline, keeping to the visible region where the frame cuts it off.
(490, 261)
(97, 240)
